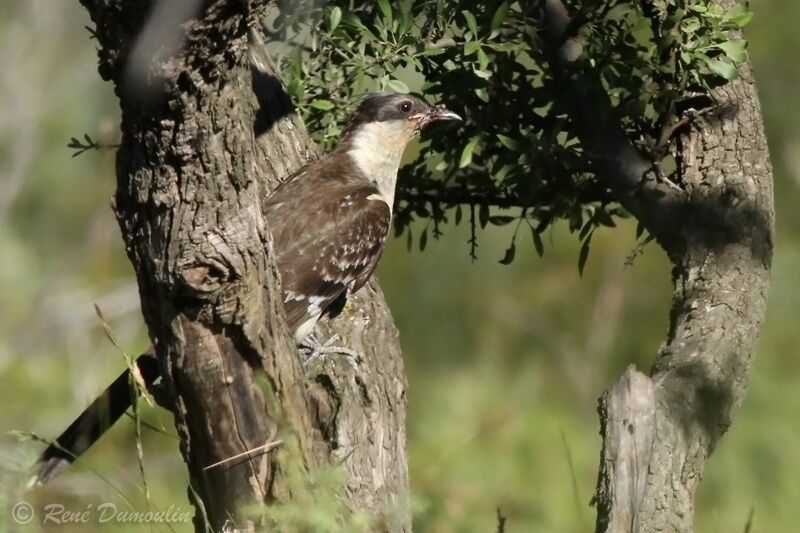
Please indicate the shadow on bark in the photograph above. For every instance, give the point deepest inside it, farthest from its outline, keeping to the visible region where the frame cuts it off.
(273, 101)
(696, 401)
(730, 215)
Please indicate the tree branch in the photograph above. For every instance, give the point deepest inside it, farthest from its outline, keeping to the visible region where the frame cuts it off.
(619, 164)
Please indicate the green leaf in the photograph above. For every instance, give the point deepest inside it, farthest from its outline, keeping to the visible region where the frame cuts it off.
(511, 144)
(583, 255)
(619, 12)
(716, 11)
(466, 153)
(483, 215)
(471, 47)
(586, 229)
(739, 15)
(501, 174)
(512, 250)
(726, 69)
(405, 22)
(295, 89)
(575, 219)
(505, 47)
(499, 16)
(483, 59)
(735, 50)
(334, 18)
(433, 87)
(482, 93)
(386, 9)
(690, 25)
(500, 220)
(397, 86)
(351, 19)
(601, 216)
(537, 242)
(323, 105)
(472, 24)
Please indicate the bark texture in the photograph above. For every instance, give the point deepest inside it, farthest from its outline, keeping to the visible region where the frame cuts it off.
(207, 132)
(722, 256)
(721, 247)
(717, 229)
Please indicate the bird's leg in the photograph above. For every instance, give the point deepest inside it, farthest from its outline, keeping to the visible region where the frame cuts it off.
(313, 350)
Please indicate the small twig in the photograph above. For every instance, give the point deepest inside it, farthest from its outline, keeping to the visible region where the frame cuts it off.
(668, 129)
(501, 522)
(638, 250)
(748, 527)
(571, 466)
(473, 239)
(444, 42)
(87, 144)
(661, 178)
(347, 456)
(264, 448)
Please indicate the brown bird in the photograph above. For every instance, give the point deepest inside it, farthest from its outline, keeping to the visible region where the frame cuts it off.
(329, 222)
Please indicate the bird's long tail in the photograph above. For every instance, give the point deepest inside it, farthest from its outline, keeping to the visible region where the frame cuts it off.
(103, 412)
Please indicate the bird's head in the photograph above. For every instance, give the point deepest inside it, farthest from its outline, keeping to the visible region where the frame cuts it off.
(377, 135)
(394, 118)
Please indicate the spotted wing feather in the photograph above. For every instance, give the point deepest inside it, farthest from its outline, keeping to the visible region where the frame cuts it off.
(327, 241)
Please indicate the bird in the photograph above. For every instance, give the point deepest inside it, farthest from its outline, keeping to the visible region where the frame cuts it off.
(329, 222)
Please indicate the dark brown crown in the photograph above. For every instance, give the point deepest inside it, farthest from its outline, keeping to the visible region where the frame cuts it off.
(378, 107)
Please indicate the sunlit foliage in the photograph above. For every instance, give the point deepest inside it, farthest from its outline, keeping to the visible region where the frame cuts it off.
(517, 147)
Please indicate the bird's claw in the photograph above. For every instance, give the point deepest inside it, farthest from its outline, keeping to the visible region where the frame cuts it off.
(313, 351)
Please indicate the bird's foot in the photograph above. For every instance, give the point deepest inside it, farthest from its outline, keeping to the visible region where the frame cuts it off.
(313, 350)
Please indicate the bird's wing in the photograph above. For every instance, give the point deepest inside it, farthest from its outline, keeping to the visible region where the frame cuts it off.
(326, 242)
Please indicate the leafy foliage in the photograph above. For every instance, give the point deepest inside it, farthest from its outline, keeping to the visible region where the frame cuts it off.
(516, 157)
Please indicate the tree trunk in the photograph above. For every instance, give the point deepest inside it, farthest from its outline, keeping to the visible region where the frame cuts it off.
(659, 431)
(721, 249)
(722, 258)
(207, 131)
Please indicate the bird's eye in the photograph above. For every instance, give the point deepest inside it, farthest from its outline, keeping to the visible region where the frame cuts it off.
(405, 106)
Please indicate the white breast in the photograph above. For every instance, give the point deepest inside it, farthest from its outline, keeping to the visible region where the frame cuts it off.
(377, 149)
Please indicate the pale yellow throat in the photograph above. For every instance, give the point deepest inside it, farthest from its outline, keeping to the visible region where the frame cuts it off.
(377, 148)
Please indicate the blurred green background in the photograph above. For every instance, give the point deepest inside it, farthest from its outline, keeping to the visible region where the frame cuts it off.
(505, 363)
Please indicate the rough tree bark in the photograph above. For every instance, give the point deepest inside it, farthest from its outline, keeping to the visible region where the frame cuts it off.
(207, 131)
(658, 431)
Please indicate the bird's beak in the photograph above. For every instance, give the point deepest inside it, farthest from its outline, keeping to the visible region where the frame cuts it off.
(440, 112)
(433, 114)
